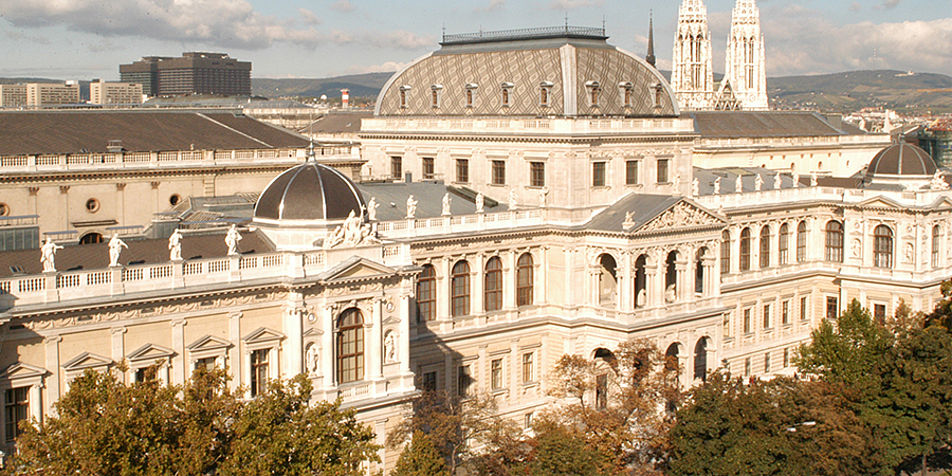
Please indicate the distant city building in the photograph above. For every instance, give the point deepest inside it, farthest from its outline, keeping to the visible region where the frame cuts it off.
(12, 95)
(101, 92)
(937, 140)
(46, 94)
(193, 73)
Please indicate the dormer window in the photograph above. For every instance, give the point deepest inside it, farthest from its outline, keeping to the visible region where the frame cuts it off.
(625, 88)
(505, 91)
(470, 93)
(545, 90)
(594, 90)
(436, 91)
(403, 95)
(658, 95)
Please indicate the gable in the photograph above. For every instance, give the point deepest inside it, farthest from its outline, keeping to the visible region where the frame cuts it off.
(19, 370)
(208, 343)
(358, 268)
(150, 352)
(880, 202)
(263, 334)
(87, 360)
(683, 214)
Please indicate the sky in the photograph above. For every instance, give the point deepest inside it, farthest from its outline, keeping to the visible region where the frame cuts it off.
(85, 39)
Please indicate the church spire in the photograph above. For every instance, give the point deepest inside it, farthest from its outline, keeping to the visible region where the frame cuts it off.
(650, 57)
(692, 74)
(745, 68)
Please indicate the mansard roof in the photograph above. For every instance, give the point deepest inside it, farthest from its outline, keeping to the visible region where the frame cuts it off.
(724, 124)
(75, 132)
(652, 213)
(522, 61)
(392, 198)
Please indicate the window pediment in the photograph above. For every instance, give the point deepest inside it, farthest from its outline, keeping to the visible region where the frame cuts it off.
(87, 360)
(209, 343)
(20, 370)
(150, 352)
(263, 335)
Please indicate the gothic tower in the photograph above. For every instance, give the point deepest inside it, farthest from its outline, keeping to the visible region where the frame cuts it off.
(745, 72)
(650, 57)
(692, 76)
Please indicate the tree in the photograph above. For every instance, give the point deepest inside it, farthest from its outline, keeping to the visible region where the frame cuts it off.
(783, 426)
(105, 427)
(616, 402)
(420, 458)
(280, 433)
(558, 450)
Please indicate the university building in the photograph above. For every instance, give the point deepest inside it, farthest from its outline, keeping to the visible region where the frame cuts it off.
(192, 73)
(524, 195)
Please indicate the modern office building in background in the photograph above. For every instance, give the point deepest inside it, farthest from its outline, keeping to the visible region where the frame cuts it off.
(192, 73)
(102, 92)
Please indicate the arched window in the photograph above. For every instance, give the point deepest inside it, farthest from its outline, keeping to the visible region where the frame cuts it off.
(834, 241)
(607, 280)
(882, 247)
(492, 290)
(783, 244)
(765, 247)
(935, 246)
(699, 271)
(700, 359)
(671, 290)
(90, 238)
(459, 287)
(350, 346)
(745, 249)
(524, 280)
(426, 294)
(802, 242)
(725, 252)
(641, 293)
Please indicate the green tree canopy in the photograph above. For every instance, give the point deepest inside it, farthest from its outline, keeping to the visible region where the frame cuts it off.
(420, 458)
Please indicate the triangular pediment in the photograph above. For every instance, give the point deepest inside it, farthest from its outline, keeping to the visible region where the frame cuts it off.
(207, 343)
(358, 268)
(313, 331)
(87, 360)
(150, 352)
(943, 203)
(19, 370)
(880, 201)
(682, 214)
(263, 334)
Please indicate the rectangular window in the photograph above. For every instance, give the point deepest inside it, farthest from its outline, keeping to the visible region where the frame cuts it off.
(786, 358)
(832, 307)
(528, 420)
(496, 373)
(396, 168)
(879, 312)
(767, 362)
(785, 312)
(429, 381)
(527, 371)
(499, 172)
(767, 316)
(259, 371)
(462, 170)
(728, 328)
(747, 367)
(662, 170)
(147, 374)
(537, 174)
(598, 174)
(804, 306)
(631, 172)
(429, 171)
(16, 406)
(463, 380)
(207, 363)
(747, 320)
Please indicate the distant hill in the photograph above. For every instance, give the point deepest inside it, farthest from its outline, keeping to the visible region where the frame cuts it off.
(853, 90)
(367, 84)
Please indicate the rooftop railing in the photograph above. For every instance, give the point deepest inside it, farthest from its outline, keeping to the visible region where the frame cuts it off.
(525, 33)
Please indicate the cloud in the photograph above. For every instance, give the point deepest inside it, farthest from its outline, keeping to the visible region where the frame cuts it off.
(309, 17)
(570, 4)
(385, 67)
(343, 6)
(492, 5)
(801, 41)
(221, 23)
(855, 7)
(890, 3)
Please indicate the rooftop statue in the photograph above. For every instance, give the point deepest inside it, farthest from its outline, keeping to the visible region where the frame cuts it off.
(175, 246)
(115, 248)
(480, 202)
(446, 204)
(48, 255)
(411, 207)
(232, 239)
(717, 186)
(372, 209)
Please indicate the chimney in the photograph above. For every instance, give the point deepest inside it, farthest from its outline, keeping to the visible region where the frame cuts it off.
(345, 98)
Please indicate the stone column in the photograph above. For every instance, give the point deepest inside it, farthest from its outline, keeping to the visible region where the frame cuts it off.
(735, 249)
(53, 382)
(654, 283)
(509, 279)
(476, 281)
(294, 329)
(444, 290)
(375, 363)
(681, 280)
(178, 345)
(711, 280)
(117, 344)
(327, 348)
(403, 337)
(234, 335)
(626, 283)
(540, 276)
(775, 244)
(594, 274)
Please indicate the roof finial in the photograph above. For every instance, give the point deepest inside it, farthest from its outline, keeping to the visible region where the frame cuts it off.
(650, 56)
(310, 137)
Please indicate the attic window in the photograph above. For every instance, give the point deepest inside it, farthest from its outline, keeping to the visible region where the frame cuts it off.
(545, 91)
(403, 95)
(470, 93)
(436, 93)
(658, 95)
(505, 89)
(594, 90)
(626, 88)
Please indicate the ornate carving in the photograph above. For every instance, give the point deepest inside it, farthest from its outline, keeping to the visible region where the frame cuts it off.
(682, 215)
